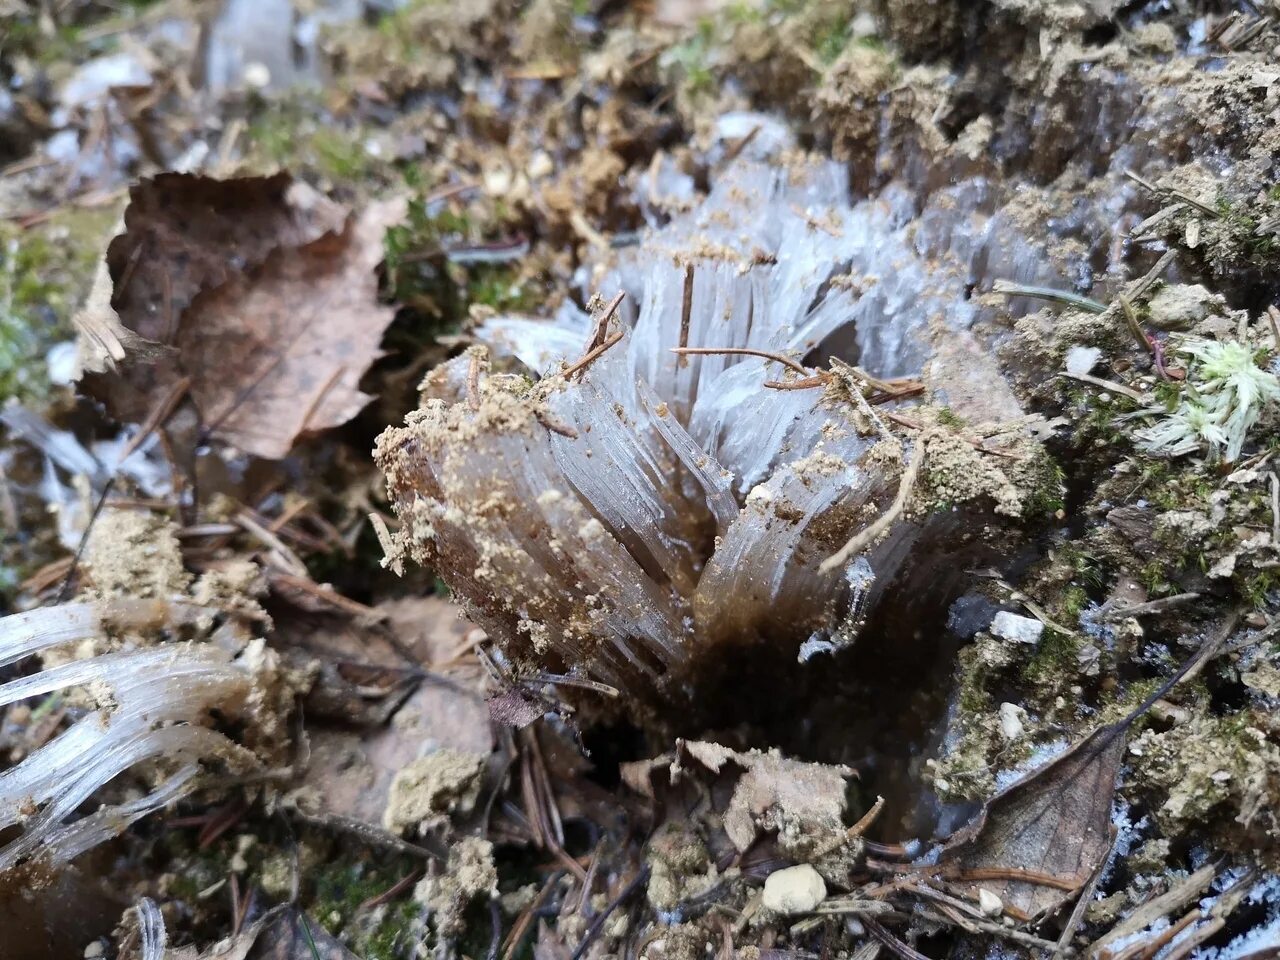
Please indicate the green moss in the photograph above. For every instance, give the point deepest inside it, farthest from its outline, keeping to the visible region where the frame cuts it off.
(1256, 587)
(420, 275)
(286, 134)
(45, 274)
(830, 39)
(339, 889)
(1055, 662)
(1046, 488)
(690, 63)
(1074, 600)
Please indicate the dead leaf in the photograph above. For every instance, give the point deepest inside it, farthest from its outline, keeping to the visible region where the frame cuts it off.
(280, 352)
(799, 800)
(351, 771)
(1052, 826)
(184, 234)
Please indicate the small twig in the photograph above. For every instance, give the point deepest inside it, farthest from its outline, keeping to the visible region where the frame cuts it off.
(744, 352)
(1135, 328)
(1141, 286)
(602, 324)
(735, 149)
(393, 891)
(686, 310)
(586, 361)
(84, 540)
(366, 833)
(562, 680)
(516, 937)
(473, 382)
(895, 945)
(495, 924)
(1102, 384)
(1175, 194)
(867, 536)
(156, 417)
(1021, 875)
(544, 417)
(597, 925)
(1151, 606)
(819, 379)
(1064, 297)
(1273, 317)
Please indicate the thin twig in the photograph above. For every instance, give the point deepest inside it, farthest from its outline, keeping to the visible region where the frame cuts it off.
(473, 382)
(867, 536)
(597, 925)
(895, 945)
(579, 365)
(1111, 385)
(495, 925)
(1151, 606)
(516, 937)
(156, 417)
(602, 324)
(84, 539)
(744, 352)
(393, 891)
(562, 680)
(686, 310)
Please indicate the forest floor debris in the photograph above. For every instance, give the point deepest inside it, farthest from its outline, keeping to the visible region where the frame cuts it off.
(262, 259)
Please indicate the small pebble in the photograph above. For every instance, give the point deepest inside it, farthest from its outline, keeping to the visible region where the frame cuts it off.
(989, 903)
(1016, 629)
(796, 889)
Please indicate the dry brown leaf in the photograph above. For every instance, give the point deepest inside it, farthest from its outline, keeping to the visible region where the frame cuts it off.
(280, 352)
(183, 234)
(351, 771)
(1054, 823)
(773, 792)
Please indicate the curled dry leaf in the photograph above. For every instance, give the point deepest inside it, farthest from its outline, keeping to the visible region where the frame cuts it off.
(258, 289)
(1052, 827)
(280, 352)
(184, 234)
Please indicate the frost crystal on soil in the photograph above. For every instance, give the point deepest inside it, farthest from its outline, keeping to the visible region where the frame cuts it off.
(622, 518)
(147, 706)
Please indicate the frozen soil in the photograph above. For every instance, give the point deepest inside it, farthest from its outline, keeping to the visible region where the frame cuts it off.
(1085, 568)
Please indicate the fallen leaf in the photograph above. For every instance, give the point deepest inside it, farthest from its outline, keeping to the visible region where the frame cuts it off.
(279, 352)
(772, 792)
(351, 770)
(1053, 826)
(184, 234)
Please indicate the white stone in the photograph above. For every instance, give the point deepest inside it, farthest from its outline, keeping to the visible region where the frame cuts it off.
(1016, 629)
(796, 889)
(1011, 720)
(989, 903)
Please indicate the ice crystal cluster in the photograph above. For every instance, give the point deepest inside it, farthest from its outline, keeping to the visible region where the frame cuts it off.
(145, 707)
(622, 516)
